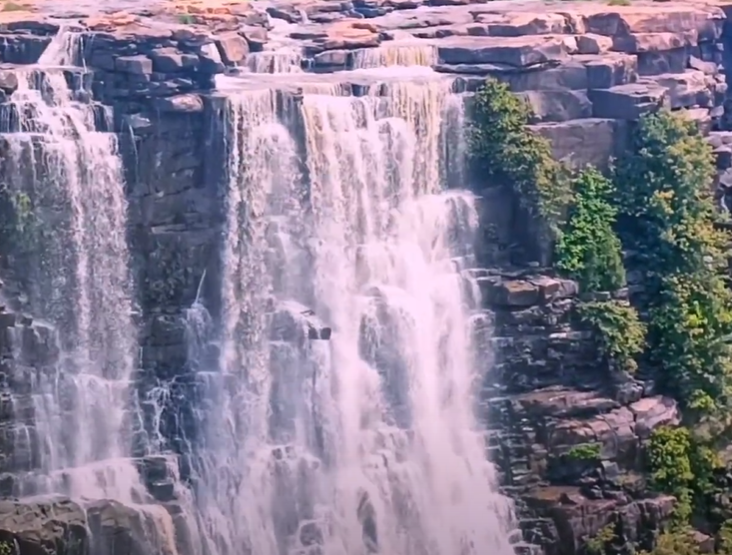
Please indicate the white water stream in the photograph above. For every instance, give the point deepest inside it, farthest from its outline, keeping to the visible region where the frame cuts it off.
(365, 443)
(338, 416)
(68, 178)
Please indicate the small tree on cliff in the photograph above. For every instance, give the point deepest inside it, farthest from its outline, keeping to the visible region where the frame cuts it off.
(666, 218)
(503, 148)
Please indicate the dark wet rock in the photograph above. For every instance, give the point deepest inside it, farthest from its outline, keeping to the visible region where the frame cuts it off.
(134, 64)
(44, 527)
(576, 517)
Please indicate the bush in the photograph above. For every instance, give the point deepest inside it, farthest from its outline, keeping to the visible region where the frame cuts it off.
(588, 250)
(680, 541)
(618, 329)
(504, 149)
(688, 322)
(585, 452)
(670, 465)
(666, 218)
(663, 194)
(683, 466)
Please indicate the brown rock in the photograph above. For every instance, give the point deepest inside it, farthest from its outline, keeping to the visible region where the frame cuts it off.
(232, 48)
(351, 34)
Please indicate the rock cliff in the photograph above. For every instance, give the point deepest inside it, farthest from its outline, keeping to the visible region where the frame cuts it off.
(587, 69)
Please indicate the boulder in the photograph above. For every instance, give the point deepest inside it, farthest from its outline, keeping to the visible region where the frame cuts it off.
(233, 48)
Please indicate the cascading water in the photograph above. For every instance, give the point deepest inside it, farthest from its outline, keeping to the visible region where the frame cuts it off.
(365, 443)
(396, 53)
(71, 177)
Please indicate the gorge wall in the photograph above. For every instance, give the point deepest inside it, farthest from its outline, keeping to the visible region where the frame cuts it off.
(165, 75)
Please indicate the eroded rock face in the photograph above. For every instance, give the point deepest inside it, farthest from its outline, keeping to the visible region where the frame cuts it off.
(547, 396)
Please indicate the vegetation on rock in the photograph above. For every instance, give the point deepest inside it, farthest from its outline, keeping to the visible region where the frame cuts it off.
(680, 541)
(589, 250)
(599, 544)
(683, 466)
(666, 218)
(620, 332)
(504, 149)
(657, 208)
(585, 452)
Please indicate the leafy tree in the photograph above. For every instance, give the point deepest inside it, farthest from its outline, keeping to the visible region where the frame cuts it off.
(503, 148)
(618, 329)
(666, 218)
(588, 250)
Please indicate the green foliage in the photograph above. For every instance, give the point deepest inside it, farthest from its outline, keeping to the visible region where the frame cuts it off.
(6, 548)
(585, 452)
(666, 218)
(663, 191)
(588, 250)
(669, 457)
(619, 331)
(679, 541)
(689, 321)
(599, 543)
(504, 149)
(682, 466)
(725, 537)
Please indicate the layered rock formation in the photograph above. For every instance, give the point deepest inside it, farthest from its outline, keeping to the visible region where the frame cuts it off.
(587, 69)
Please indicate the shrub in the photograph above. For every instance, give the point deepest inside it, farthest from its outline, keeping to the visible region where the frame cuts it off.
(666, 218)
(588, 250)
(683, 466)
(679, 541)
(618, 329)
(585, 452)
(670, 465)
(504, 149)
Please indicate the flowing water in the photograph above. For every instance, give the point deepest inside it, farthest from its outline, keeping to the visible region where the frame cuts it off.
(340, 227)
(335, 383)
(66, 181)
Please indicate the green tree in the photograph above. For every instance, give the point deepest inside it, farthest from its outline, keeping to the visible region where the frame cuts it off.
(588, 249)
(618, 330)
(504, 149)
(666, 219)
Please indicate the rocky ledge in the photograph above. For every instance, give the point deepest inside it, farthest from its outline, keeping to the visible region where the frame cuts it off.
(567, 433)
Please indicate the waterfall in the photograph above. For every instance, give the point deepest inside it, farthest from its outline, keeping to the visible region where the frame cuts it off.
(334, 379)
(366, 443)
(396, 53)
(78, 265)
